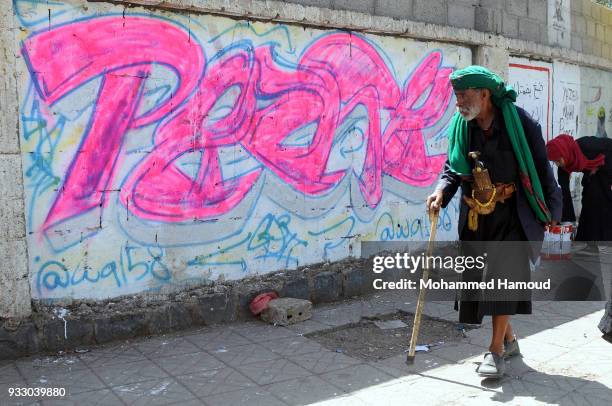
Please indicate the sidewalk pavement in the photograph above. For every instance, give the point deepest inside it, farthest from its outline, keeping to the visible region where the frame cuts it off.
(565, 362)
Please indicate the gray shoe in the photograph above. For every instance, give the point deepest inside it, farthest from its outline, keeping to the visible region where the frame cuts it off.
(511, 348)
(492, 366)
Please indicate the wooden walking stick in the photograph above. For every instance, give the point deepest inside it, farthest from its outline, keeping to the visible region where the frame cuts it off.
(433, 219)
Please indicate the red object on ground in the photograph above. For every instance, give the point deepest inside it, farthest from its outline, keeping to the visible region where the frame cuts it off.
(260, 302)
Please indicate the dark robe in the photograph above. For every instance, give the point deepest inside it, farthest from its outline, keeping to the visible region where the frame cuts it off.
(596, 215)
(513, 220)
(595, 222)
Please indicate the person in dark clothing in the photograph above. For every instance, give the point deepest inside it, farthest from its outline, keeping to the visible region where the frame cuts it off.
(593, 157)
(522, 197)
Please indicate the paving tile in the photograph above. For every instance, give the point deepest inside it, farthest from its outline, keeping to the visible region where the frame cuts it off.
(123, 374)
(9, 373)
(337, 317)
(350, 400)
(479, 337)
(293, 346)
(465, 375)
(112, 355)
(188, 363)
(534, 350)
(192, 402)
(356, 377)
(220, 338)
(560, 382)
(259, 331)
(396, 366)
(441, 310)
(162, 347)
(75, 382)
(304, 391)
(456, 352)
(244, 354)
(421, 391)
(519, 366)
(21, 402)
(572, 309)
(590, 363)
(582, 399)
(16, 382)
(247, 397)
(30, 366)
(155, 392)
(600, 387)
(512, 391)
(323, 361)
(216, 381)
(267, 372)
(105, 397)
(308, 327)
(376, 308)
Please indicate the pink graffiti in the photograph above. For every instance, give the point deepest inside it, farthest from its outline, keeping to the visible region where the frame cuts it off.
(334, 76)
(66, 57)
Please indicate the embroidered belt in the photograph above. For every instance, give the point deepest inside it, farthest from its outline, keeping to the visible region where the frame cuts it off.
(483, 202)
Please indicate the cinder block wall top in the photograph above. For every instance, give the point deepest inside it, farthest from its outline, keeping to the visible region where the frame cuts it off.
(591, 23)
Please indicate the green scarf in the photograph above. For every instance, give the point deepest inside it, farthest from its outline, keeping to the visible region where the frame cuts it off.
(478, 77)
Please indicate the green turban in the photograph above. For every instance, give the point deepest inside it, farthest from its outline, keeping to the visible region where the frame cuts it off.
(478, 77)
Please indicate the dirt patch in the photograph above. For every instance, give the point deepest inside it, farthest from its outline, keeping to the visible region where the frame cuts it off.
(365, 340)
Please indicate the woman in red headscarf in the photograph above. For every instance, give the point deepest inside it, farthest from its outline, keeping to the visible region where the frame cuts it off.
(593, 157)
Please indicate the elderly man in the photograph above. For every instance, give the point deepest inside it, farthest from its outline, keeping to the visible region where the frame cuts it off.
(497, 155)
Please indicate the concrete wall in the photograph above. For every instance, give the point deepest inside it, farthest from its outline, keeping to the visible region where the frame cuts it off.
(14, 275)
(169, 147)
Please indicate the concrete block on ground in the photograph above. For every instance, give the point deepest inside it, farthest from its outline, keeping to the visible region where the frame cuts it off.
(179, 317)
(18, 341)
(285, 311)
(326, 287)
(296, 287)
(58, 335)
(213, 308)
(400, 9)
(120, 327)
(357, 282)
(430, 11)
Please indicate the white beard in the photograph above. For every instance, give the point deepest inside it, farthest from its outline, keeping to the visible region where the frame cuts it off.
(469, 113)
